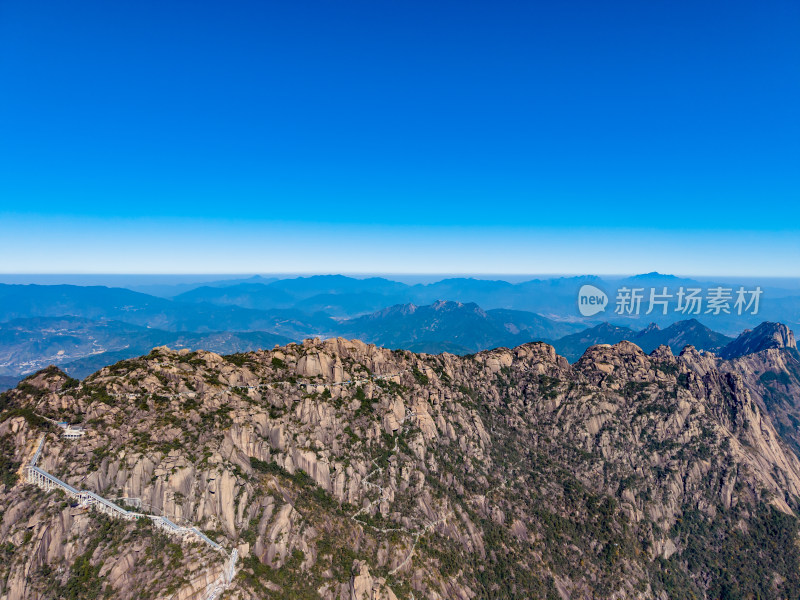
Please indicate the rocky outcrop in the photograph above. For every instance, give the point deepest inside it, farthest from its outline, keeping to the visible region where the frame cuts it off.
(364, 586)
(772, 377)
(341, 470)
(765, 336)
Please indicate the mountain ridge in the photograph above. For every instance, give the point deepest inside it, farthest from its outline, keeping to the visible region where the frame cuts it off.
(766, 335)
(341, 470)
(678, 335)
(463, 335)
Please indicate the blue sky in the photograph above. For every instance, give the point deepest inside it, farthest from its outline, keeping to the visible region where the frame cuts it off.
(400, 137)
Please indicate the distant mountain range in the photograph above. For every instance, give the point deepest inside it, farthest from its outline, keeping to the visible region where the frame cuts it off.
(82, 328)
(452, 327)
(555, 298)
(97, 302)
(676, 336)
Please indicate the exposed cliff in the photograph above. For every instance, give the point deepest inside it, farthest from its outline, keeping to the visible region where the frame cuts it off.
(764, 337)
(345, 471)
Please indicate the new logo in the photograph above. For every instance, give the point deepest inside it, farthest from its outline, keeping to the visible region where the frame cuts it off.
(591, 300)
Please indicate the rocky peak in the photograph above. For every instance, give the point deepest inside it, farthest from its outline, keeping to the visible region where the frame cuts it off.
(397, 309)
(446, 305)
(662, 352)
(452, 306)
(608, 363)
(51, 379)
(650, 328)
(700, 362)
(691, 324)
(605, 326)
(767, 335)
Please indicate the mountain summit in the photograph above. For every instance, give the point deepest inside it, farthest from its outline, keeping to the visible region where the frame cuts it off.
(767, 335)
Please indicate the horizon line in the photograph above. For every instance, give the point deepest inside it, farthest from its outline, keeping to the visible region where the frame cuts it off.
(377, 273)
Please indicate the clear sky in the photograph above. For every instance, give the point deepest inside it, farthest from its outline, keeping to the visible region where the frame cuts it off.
(377, 136)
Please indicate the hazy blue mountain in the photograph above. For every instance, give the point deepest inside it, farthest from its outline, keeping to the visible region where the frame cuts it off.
(93, 302)
(457, 327)
(655, 279)
(246, 295)
(296, 308)
(347, 304)
(489, 293)
(521, 321)
(97, 302)
(336, 295)
(785, 309)
(547, 297)
(678, 335)
(306, 287)
(555, 298)
(170, 290)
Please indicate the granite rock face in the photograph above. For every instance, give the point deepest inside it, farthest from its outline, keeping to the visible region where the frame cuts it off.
(340, 470)
(765, 336)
